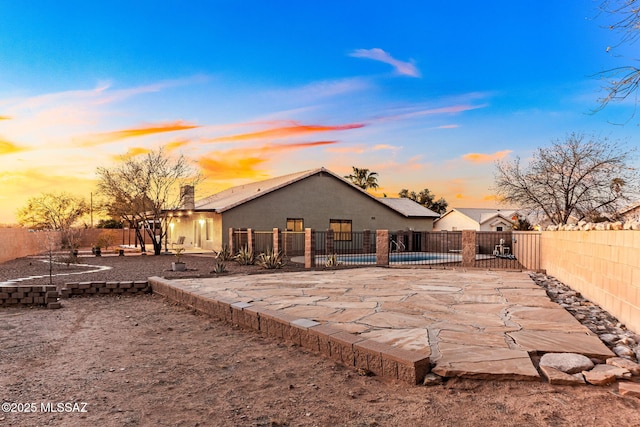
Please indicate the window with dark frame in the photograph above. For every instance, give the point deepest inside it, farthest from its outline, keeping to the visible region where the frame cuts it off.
(295, 224)
(341, 229)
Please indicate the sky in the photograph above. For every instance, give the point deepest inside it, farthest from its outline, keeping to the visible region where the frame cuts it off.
(428, 94)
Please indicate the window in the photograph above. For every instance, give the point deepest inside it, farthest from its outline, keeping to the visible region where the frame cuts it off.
(341, 229)
(498, 228)
(295, 224)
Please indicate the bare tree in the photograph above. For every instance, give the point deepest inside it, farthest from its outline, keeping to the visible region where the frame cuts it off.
(54, 211)
(363, 178)
(426, 199)
(576, 178)
(142, 189)
(621, 82)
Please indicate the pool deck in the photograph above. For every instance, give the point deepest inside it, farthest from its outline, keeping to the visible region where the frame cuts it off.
(400, 322)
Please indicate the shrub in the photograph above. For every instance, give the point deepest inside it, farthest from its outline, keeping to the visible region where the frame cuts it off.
(224, 254)
(245, 257)
(219, 267)
(270, 259)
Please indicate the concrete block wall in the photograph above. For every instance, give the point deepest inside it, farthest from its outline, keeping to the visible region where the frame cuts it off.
(14, 294)
(602, 265)
(20, 242)
(342, 347)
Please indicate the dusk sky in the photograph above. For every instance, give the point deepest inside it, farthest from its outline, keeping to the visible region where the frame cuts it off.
(427, 94)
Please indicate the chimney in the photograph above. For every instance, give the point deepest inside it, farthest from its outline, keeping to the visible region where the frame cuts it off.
(187, 197)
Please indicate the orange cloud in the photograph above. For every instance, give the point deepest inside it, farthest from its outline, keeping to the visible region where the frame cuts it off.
(286, 131)
(174, 145)
(242, 162)
(5, 118)
(485, 158)
(7, 147)
(132, 152)
(107, 137)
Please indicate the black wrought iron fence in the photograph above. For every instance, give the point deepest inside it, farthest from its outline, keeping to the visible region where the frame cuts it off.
(345, 248)
(292, 243)
(437, 249)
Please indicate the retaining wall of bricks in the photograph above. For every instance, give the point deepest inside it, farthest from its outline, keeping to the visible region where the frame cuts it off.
(14, 294)
(342, 347)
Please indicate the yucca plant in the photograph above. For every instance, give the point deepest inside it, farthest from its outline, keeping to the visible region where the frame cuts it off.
(245, 257)
(219, 267)
(270, 260)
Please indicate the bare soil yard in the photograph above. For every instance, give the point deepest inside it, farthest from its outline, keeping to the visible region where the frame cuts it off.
(142, 361)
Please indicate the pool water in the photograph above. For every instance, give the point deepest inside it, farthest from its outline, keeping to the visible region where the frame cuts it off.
(398, 257)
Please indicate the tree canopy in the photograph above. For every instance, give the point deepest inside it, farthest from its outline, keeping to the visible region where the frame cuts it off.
(575, 178)
(363, 178)
(623, 81)
(54, 211)
(426, 199)
(141, 189)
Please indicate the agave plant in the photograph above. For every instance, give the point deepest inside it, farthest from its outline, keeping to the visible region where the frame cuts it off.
(219, 267)
(224, 254)
(245, 257)
(270, 260)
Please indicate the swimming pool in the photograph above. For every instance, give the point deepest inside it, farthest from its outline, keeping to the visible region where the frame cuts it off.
(401, 258)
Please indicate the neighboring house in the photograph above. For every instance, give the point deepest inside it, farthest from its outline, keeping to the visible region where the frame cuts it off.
(317, 199)
(478, 219)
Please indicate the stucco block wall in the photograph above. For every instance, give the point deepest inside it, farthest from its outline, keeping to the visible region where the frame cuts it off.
(20, 242)
(603, 265)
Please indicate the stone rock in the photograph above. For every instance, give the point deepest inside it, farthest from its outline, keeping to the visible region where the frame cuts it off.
(432, 379)
(569, 363)
(609, 338)
(599, 377)
(623, 351)
(557, 377)
(629, 389)
(623, 363)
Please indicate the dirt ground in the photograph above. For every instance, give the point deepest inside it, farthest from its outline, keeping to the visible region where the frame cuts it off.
(142, 361)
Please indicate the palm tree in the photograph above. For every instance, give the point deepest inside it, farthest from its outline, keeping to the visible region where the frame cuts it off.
(363, 178)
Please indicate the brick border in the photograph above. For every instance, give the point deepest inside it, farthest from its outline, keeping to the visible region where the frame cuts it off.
(342, 347)
(13, 294)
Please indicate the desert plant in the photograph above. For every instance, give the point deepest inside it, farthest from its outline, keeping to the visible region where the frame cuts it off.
(270, 260)
(219, 267)
(223, 254)
(332, 261)
(179, 253)
(245, 257)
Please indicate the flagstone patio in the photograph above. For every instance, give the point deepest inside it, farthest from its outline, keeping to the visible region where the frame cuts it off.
(478, 324)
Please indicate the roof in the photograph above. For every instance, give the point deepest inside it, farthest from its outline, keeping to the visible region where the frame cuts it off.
(235, 196)
(408, 207)
(482, 215)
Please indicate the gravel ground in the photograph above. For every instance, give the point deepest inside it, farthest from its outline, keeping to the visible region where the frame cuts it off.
(129, 267)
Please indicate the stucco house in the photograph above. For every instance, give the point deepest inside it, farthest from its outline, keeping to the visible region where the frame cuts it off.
(478, 219)
(318, 199)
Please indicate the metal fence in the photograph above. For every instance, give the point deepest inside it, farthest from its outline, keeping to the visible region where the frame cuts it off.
(438, 249)
(352, 248)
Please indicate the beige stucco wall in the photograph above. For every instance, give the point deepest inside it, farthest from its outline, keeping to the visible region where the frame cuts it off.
(603, 265)
(455, 221)
(20, 242)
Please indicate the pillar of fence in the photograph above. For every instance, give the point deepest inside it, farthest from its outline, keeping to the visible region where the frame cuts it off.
(468, 248)
(251, 240)
(382, 247)
(366, 241)
(231, 248)
(309, 248)
(277, 241)
(329, 244)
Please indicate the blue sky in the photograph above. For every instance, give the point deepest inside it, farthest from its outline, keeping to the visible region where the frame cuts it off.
(427, 94)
